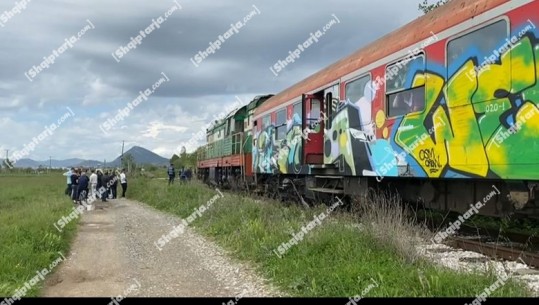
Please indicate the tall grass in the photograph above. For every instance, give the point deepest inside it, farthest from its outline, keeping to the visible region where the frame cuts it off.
(334, 259)
(29, 206)
(391, 224)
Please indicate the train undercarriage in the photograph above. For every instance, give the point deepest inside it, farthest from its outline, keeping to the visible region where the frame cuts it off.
(497, 198)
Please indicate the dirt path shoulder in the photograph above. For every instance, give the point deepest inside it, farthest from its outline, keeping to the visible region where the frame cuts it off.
(114, 253)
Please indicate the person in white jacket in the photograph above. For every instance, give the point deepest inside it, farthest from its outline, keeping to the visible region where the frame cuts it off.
(93, 184)
(123, 182)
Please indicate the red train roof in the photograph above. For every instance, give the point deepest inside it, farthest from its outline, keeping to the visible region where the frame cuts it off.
(448, 15)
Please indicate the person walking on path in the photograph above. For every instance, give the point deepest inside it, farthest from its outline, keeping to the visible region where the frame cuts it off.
(171, 174)
(93, 184)
(123, 182)
(68, 175)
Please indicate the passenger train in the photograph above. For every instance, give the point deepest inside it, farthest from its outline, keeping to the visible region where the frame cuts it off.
(443, 110)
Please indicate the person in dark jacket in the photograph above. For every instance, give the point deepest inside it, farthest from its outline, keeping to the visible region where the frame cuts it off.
(106, 179)
(114, 182)
(83, 186)
(74, 185)
(101, 185)
(171, 174)
(189, 174)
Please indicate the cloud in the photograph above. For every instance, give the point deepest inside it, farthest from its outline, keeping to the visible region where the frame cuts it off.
(156, 128)
(89, 80)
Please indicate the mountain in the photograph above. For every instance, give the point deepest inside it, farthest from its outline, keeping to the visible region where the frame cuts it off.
(142, 156)
(23, 163)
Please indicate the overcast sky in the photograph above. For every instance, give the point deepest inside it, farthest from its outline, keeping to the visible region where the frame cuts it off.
(86, 85)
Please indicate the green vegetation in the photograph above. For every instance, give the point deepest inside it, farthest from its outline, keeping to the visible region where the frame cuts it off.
(506, 225)
(425, 7)
(334, 259)
(29, 207)
(185, 160)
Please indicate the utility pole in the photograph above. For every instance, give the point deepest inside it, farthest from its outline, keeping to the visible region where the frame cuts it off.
(50, 163)
(122, 157)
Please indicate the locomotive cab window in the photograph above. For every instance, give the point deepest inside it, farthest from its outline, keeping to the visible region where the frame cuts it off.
(405, 93)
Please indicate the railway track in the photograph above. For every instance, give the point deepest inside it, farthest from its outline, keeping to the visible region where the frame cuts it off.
(496, 250)
(494, 243)
(511, 247)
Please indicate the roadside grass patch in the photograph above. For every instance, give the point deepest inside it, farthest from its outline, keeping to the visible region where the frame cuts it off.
(334, 259)
(29, 207)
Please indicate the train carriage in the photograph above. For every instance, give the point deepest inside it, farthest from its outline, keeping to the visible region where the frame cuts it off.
(444, 109)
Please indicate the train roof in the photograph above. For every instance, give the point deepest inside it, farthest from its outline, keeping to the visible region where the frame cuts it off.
(436, 21)
(240, 113)
(258, 100)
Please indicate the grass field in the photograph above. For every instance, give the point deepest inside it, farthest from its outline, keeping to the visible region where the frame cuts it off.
(334, 259)
(29, 207)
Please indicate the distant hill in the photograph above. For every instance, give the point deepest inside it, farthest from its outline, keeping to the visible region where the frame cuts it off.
(23, 163)
(140, 155)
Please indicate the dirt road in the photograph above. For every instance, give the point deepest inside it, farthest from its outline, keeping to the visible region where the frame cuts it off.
(114, 254)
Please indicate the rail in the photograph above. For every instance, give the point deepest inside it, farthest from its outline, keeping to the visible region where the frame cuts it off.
(495, 251)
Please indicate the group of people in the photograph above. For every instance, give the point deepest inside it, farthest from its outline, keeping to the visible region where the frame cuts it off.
(184, 174)
(79, 182)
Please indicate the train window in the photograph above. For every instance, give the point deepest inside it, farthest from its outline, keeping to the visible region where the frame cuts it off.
(280, 124)
(315, 110)
(399, 76)
(266, 122)
(475, 53)
(405, 102)
(357, 89)
(483, 42)
(358, 93)
(297, 110)
(314, 116)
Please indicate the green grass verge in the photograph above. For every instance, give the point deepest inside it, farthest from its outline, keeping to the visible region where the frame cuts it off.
(29, 207)
(333, 259)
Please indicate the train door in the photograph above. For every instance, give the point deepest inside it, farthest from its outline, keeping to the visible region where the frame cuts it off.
(313, 129)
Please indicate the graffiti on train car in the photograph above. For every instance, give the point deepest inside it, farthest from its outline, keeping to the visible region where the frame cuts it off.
(271, 155)
(491, 128)
(468, 128)
(484, 126)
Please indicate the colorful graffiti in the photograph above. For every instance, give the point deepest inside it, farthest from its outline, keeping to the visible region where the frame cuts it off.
(488, 124)
(470, 125)
(350, 140)
(478, 120)
(271, 155)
